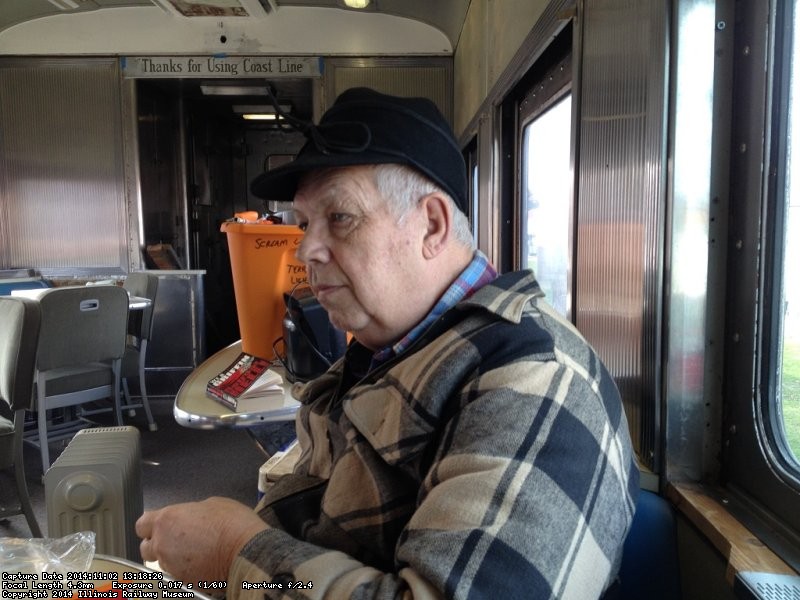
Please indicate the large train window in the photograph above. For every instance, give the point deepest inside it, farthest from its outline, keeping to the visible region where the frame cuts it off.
(787, 287)
(782, 349)
(541, 105)
(546, 191)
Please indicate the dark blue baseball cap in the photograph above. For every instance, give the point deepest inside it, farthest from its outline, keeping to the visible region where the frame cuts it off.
(365, 127)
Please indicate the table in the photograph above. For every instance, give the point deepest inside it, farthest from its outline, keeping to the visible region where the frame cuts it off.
(193, 408)
(134, 302)
(160, 582)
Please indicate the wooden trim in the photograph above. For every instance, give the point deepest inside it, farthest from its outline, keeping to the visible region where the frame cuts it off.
(742, 550)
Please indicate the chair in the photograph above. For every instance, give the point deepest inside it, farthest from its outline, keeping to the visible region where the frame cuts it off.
(649, 567)
(81, 345)
(140, 327)
(20, 320)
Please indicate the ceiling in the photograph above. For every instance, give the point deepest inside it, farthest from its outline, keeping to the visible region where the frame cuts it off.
(446, 15)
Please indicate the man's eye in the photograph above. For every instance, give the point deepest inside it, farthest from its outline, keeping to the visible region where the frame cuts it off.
(340, 218)
(303, 225)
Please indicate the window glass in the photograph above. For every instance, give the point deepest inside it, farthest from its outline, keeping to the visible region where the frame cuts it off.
(547, 201)
(474, 200)
(471, 160)
(789, 397)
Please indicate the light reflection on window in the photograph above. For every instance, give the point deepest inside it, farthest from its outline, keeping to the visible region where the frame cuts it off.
(474, 208)
(547, 199)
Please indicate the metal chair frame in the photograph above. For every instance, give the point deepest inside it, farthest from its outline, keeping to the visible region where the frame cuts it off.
(144, 285)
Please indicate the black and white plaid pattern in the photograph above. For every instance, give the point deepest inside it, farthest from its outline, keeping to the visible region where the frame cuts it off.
(491, 459)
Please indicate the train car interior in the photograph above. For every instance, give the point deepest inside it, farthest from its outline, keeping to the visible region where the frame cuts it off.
(637, 156)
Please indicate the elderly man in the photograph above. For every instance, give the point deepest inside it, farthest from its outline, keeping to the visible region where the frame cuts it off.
(469, 444)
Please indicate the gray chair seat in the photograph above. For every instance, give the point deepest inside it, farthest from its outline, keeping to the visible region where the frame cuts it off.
(78, 378)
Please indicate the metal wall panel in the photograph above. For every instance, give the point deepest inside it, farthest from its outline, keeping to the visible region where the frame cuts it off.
(621, 201)
(62, 202)
(695, 171)
(429, 77)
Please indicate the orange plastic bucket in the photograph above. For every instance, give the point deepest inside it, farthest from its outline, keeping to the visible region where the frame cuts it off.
(264, 266)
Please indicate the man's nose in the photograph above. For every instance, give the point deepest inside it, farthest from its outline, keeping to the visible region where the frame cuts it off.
(313, 247)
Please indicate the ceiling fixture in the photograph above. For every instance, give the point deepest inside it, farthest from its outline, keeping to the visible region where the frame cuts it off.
(203, 8)
(269, 5)
(257, 112)
(260, 117)
(166, 6)
(356, 3)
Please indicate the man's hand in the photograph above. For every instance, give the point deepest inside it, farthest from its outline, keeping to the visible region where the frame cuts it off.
(197, 541)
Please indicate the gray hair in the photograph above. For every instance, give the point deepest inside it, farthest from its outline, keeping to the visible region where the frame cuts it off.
(404, 187)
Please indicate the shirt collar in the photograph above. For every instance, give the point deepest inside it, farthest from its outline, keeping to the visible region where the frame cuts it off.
(478, 273)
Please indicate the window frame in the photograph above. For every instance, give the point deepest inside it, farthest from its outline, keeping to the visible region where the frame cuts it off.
(762, 492)
(547, 80)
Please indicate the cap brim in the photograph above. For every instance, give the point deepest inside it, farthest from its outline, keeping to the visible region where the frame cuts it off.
(281, 183)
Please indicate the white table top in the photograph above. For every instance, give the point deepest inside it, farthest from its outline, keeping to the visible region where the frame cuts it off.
(193, 408)
(141, 574)
(134, 302)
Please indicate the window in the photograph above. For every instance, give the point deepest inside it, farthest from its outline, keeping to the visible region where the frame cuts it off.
(538, 117)
(760, 455)
(546, 191)
(785, 343)
(471, 160)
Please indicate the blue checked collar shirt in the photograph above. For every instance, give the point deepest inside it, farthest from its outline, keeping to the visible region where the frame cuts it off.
(478, 273)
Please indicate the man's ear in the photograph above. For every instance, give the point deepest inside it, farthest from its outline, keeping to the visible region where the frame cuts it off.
(439, 219)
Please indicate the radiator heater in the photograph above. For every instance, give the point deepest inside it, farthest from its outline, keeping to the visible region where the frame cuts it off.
(96, 485)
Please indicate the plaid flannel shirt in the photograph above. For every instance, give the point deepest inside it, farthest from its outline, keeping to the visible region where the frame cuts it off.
(490, 459)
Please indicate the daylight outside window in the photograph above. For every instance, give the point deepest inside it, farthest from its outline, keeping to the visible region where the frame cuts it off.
(547, 200)
(789, 344)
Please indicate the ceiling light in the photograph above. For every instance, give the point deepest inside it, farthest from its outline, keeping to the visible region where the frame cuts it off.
(356, 3)
(260, 117)
(233, 90)
(260, 112)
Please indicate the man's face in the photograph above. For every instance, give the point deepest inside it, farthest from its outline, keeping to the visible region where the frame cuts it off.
(362, 263)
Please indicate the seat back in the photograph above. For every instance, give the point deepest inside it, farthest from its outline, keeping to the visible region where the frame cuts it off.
(20, 320)
(82, 325)
(144, 285)
(649, 566)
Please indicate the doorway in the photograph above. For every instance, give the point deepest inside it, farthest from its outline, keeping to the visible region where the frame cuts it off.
(197, 156)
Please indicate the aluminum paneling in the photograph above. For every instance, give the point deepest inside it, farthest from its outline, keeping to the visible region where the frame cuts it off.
(621, 201)
(428, 77)
(694, 170)
(62, 202)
